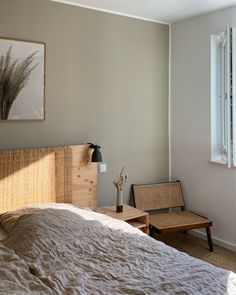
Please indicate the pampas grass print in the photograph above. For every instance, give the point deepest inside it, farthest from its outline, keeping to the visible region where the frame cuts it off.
(14, 76)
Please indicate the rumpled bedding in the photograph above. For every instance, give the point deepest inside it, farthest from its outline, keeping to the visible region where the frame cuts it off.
(3, 233)
(15, 277)
(61, 249)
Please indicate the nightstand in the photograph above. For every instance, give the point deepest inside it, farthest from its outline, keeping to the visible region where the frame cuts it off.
(136, 218)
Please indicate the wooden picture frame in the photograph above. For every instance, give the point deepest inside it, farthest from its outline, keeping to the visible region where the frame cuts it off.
(22, 80)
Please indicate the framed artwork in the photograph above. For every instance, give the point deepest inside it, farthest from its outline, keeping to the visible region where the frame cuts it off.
(22, 80)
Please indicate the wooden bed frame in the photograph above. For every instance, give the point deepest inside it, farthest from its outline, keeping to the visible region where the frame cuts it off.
(43, 175)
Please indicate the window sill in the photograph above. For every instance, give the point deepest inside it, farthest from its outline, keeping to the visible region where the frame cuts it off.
(220, 162)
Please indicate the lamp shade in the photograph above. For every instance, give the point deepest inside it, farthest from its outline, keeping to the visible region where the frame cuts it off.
(96, 155)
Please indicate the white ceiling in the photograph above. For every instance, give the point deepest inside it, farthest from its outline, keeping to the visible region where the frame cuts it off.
(166, 11)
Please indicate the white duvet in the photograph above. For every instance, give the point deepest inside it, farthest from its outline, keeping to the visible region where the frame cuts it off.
(66, 250)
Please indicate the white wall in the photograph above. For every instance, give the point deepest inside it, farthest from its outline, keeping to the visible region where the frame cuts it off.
(209, 189)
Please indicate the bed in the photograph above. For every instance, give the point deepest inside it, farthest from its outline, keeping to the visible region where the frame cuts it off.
(62, 248)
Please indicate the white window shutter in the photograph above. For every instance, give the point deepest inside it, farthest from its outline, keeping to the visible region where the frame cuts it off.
(233, 94)
(228, 92)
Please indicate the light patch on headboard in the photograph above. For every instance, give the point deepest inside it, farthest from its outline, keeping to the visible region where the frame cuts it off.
(42, 175)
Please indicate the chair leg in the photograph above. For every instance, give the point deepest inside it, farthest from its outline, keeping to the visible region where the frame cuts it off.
(208, 231)
(151, 232)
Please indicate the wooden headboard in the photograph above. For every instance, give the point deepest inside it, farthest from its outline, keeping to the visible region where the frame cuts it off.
(42, 175)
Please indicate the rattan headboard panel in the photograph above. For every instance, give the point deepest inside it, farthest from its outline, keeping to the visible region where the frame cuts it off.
(41, 175)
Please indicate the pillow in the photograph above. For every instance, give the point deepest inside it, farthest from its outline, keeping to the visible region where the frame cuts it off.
(8, 219)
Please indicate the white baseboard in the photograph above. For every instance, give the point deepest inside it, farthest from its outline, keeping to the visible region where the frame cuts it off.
(217, 241)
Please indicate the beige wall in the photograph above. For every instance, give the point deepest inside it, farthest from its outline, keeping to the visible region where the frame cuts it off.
(106, 82)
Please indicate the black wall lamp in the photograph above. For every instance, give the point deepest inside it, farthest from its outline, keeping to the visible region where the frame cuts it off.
(96, 155)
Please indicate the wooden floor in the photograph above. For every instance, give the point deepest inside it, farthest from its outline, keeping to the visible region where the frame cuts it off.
(196, 247)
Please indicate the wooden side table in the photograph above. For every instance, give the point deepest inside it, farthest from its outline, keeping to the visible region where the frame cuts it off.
(135, 217)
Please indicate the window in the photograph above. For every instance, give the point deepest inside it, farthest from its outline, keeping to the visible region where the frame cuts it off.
(223, 114)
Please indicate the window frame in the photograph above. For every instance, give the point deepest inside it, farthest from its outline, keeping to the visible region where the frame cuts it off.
(223, 111)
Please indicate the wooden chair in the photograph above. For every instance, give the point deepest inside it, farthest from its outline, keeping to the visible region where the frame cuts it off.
(149, 197)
